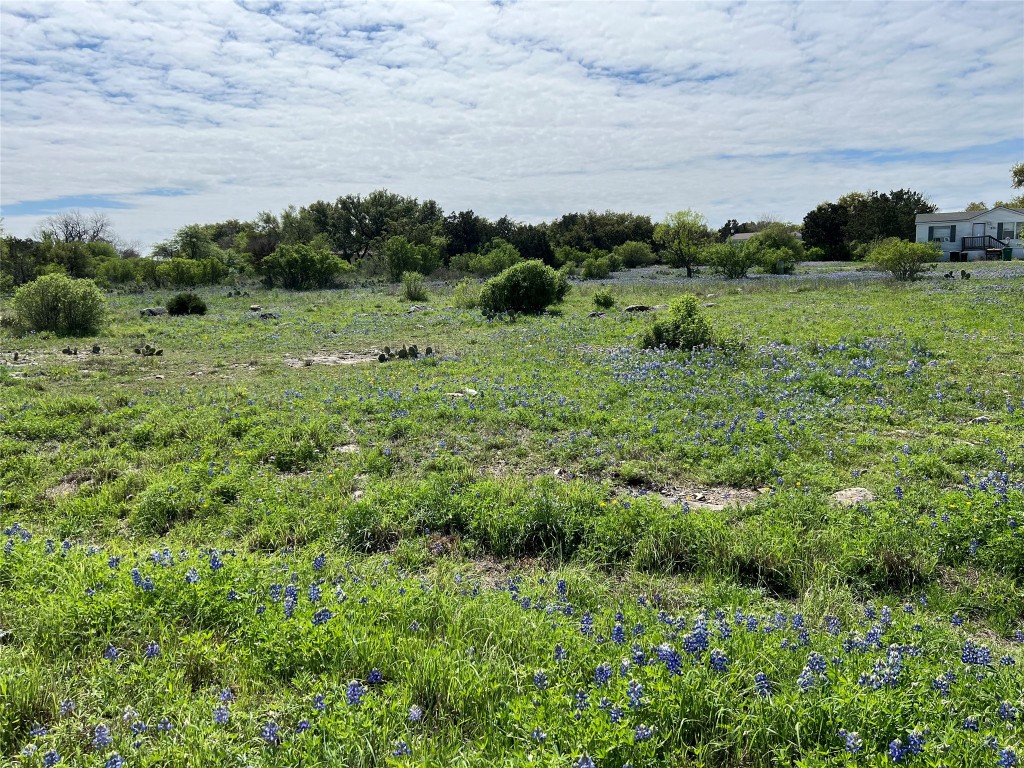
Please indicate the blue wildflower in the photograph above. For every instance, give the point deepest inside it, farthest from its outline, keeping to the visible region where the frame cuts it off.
(115, 761)
(221, 714)
(538, 734)
(101, 736)
(540, 680)
(643, 733)
(415, 714)
(401, 749)
(354, 694)
(51, 758)
(152, 649)
(270, 733)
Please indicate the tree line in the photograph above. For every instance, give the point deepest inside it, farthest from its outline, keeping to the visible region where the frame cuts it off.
(387, 234)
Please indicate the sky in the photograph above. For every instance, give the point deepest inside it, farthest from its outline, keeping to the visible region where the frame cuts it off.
(162, 114)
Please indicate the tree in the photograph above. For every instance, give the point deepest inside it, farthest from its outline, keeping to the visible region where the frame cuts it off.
(876, 215)
(76, 227)
(825, 228)
(1017, 179)
(683, 234)
(976, 207)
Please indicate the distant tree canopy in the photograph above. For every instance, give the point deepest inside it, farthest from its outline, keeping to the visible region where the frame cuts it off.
(385, 233)
(863, 217)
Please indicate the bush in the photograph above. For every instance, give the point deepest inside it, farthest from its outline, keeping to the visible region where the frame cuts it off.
(775, 261)
(634, 254)
(904, 260)
(529, 286)
(59, 304)
(684, 327)
(186, 304)
(603, 299)
(466, 295)
(729, 261)
(596, 268)
(412, 286)
(776, 249)
(302, 267)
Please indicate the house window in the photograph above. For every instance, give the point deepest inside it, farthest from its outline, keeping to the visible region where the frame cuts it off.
(1012, 230)
(940, 234)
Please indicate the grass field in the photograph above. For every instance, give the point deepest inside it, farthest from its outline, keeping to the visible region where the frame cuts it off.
(541, 545)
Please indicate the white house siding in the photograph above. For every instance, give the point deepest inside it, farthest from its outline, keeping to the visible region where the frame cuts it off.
(992, 220)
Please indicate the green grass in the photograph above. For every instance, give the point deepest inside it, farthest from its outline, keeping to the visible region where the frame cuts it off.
(449, 495)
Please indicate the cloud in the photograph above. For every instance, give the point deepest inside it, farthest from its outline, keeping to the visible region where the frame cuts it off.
(526, 109)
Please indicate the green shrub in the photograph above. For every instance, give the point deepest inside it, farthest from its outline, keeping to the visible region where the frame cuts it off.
(59, 304)
(529, 286)
(775, 261)
(729, 261)
(302, 267)
(186, 304)
(683, 327)
(497, 256)
(904, 260)
(776, 249)
(595, 269)
(413, 288)
(603, 299)
(466, 295)
(634, 254)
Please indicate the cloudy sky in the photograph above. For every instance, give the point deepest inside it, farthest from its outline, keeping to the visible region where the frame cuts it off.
(165, 113)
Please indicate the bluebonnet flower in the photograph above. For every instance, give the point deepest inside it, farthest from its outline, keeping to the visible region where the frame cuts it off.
(635, 692)
(1007, 711)
(643, 733)
(375, 677)
(975, 654)
(415, 626)
(854, 743)
(233, 596)
(215, 562)
(719, 661)
(560, 653)
(615, 714)
(561, 587)
(101, 736)
(322, 616)
(302, 726)
(113, 562)
(762, 685)
(587, 624)
(941, 684)
(415, 714)
(289, 607)
(538, 734)
(221, 714)
(152, 649)
(192, 576)
(226, 695)
(314, 593)
(401, 749)
(38, 730)
(624, 665)
(585, 762)
(897, 751)
(67, 706)
(603, 673)
(582, 701)
(618, 634)
(112, 653)
(114, 761)
(915, 742)
(319, 561)
(540, 679)
(165, 725)
(1008, 661)
(51, 758)
(970, 723)
(319, 702)
(354, 694)
(139, 727)
(1007, 758)
(270, 732)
